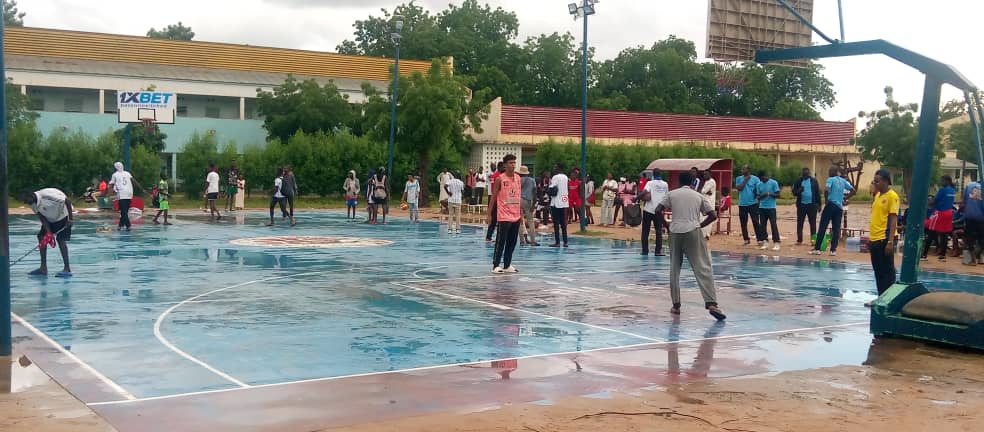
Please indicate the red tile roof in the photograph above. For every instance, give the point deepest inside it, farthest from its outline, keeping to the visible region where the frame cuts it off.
(544, 121)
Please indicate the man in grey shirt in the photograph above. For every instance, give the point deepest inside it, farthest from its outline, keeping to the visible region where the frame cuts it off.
(686, 239)
(528, 195)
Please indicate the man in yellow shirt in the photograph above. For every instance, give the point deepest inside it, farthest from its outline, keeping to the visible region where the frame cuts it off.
(884, 217)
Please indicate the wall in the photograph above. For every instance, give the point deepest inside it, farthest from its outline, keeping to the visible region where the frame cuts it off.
(54, 98)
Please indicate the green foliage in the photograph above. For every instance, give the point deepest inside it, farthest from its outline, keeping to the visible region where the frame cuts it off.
(194, 159)
(962, 139)
(153, 141)
(303, 106)
(660, 78)
(890, 137)
(11, 16)
(173, 31)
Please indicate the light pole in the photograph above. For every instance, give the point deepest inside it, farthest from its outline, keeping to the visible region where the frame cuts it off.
(586, 8)
(396, 88)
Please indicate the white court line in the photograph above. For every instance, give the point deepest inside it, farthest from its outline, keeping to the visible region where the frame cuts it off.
(504, 307)
(478, 362)
(116, 387)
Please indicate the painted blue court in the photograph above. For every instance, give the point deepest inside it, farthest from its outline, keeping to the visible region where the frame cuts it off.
(183, 309)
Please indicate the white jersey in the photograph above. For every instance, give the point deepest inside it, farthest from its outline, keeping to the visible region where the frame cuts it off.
(50, 204)
(213, 182)
(122, 183)
(657, 191)
(559, 200)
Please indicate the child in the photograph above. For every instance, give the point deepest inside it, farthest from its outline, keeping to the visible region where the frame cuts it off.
(162, 196)
(411, 194)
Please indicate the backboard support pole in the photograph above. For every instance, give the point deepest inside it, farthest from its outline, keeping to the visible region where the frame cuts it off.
(6, 340)
(809, 24)
(840, 17)
(126, 146)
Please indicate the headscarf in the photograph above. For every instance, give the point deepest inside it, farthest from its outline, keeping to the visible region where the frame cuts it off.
(118, 166)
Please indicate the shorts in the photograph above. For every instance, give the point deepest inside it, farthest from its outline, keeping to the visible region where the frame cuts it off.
(63, 236)
(351, 202)
(212, 196)
(163, 205)
(232, 190)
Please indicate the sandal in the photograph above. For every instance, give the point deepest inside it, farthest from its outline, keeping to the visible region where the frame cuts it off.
(37, 272)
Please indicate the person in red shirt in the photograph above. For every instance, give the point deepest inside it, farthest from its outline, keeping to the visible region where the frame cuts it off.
(102, 186)
(506, 194)
(500, 167)
(574, 196)
(644, 178)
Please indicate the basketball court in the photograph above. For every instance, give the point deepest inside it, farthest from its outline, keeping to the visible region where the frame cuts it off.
(335, 321)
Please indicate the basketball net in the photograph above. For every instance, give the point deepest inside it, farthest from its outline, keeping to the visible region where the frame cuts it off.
(730, 77)
(148, 124)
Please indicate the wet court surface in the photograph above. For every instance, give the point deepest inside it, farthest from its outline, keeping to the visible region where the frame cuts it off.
(163, 328)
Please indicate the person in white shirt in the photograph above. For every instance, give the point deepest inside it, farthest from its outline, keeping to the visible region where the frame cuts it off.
(609, 188)
(442, 179)
(709, 191)
(559, 204)
(278, 195)
(122, 182)
(481, 178)
(411, 196)
(656, 189)
(212, 191)
(54, 209)
(454, 188)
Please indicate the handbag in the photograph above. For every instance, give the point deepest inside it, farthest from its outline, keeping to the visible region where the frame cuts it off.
(552, 191)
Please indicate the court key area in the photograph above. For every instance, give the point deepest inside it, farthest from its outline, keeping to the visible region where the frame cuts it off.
(209, 326)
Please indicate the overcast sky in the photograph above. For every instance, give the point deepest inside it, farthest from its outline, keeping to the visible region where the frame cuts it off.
(947, 30)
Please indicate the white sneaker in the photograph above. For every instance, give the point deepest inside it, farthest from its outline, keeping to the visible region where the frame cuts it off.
(833, 253)
(776, 247)
(498, 270)
(815, 252)
(457, 231)
(449, 231)
(763, 245)
(510, 269)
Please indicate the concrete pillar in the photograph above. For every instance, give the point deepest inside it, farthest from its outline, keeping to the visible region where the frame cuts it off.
(23, 89)
(102, 101)
(242, 108)
(814, 168)
(174, 169)
(778, 160)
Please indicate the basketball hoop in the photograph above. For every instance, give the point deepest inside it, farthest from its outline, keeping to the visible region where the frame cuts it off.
(729, 77)
(148, 124)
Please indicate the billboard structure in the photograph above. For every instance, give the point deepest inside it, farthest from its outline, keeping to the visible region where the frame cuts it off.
(737, 28)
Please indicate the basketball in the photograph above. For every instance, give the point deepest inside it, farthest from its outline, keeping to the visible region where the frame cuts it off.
(404, 206)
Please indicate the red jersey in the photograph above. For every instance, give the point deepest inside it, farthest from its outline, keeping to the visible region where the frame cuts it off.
(507, 202)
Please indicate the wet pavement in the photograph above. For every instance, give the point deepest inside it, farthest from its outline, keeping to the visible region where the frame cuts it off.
(180, 319)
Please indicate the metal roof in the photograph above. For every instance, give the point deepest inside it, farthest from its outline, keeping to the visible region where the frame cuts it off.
(31, 41)
(544, 121)
(682, 164)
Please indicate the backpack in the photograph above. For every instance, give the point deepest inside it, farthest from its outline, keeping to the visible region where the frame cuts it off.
(155, 198)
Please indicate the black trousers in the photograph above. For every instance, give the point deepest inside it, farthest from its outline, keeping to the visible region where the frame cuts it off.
(505, 244)
(745, 213)
(495, 221)
(884, 265)
(805, 212)
(290, 205)
(654, 220)
(559, 216)
(941, 239)
(768, 215)
(273, 203)
(832, 215)
(974, 235)
(124, 213)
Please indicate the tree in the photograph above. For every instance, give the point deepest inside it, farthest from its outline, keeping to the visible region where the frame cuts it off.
(961, 138)
(11, 16)
(661, 78)
(153, 141)
(173, 31)
(776, 91)
(303, 106)
(551, 75)
(952, 109)
(433, 112)
(890, 137)
(421, 38)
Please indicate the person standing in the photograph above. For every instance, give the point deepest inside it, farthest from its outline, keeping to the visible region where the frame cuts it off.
(941, 222)
(232, 178)
(380, 194)
(54, 209)
(499, 168)
(709, 191)
(241, 194)
(212, 191)
(411, 195)
(370, 205)
(768, 191)
(277, 196)
(122, 182)
(656, 189)
(469, 187)
(481, 179)
(543, 187)
(454, 188)
(748, 205)
(608, 191)
(838, 190)
(442, 179)
(697, 179)
(290, 191)
(807, 193)
(574, 196)
(589, 198)
(559, 205)
(884, 218)
(163, 206)
(974, 216)
(528, 195)
(690, 213)
(351, 187)
(507, 195)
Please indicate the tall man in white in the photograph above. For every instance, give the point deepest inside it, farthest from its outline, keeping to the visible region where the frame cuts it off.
(559, 204)
(656, 189)
(454, 187)
(690, 213)
(212, 191)
(122, 182)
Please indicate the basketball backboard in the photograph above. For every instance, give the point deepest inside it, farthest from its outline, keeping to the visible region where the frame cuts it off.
(737, 28)
(141, 106)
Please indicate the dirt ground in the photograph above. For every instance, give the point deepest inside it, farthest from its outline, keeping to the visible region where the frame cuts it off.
(904, 386)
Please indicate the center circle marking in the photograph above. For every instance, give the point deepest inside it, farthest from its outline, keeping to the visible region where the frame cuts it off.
(310, 242)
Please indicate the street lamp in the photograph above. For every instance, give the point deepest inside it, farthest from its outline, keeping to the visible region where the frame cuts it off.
(396, 37)
(587, 7)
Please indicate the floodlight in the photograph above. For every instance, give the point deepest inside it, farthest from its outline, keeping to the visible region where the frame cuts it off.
(398, 22)
(572, 8)
(589, 9)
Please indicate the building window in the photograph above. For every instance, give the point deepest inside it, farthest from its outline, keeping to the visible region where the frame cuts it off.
(182, 111)
(37, 104)
(73, 105)
(212, 112)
